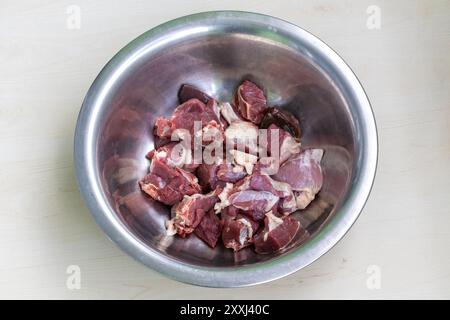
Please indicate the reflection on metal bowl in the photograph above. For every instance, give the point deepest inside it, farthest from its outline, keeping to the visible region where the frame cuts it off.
(215, 51)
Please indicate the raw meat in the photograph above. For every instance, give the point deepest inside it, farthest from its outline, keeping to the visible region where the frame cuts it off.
(254, 203)
(213, 175)
(258, 177)
(190, 211)
(287, 203)
(243, 136)
(267, 166)
(282, 119)
(223, 206)
(238, 232)
(175, 154)
(168, 184)
(209, 229)
(207, 176)
(228, 172)
(211, 132)
(304, 174)
(277, 233)
(286, 146)
(229, 113)
(260, 182)
(184, 117)
(250, 102)
(229, 213)
(244, 160)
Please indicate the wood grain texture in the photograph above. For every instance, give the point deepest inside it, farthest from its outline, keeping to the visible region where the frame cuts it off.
(46, 70)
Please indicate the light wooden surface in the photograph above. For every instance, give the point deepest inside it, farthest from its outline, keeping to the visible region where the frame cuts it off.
(46, 69)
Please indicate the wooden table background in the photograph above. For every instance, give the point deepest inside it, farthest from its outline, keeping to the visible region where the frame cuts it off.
(46, 68)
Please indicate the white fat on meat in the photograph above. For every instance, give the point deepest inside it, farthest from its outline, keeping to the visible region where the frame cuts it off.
(209, 133)
(245, 185)
(217, 109)
(243, 132)
(228, 113)
(223, 198)
(246, 233)
(289, 205)
(237, 168)
(289, 146)
(273, 223)
(191, 178)
(244, 159)
(288, 200)
(281, 187)
(179, 156)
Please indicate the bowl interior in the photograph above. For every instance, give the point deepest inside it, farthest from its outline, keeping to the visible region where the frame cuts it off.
(217, 62)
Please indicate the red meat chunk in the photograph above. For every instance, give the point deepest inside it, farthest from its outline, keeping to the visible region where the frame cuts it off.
(228, 172)
(304, 174)
(190, 212)
(284, 147)
(282, 119)
(250, 101)
(277, 234)
(184, 117)
(238, 232)
(209, 229)
(287, 203)
(213, 175)
(260, 182)
(168, 184)
(175, 154)
(254, 181)
(254, 203)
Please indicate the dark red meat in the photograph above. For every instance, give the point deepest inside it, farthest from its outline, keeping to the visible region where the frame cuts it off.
(188, 92)
(238, 232)
(254, 203)
(175, 154)
(277, 234)
(282, 119)
(260, 182)
(280, 144)
(256, 177)
(184, 117)
(191, 210)
(251, 102)
(213, 175)
(207, 176)
(304, 173)
(209, 229)
(287, 203)
(228, 172)
(168, 184)
(230, 212)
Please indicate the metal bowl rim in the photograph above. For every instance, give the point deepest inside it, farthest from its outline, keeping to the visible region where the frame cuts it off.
(240, 276)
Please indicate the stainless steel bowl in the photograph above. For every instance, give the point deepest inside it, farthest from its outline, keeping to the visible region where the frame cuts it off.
(215, 51)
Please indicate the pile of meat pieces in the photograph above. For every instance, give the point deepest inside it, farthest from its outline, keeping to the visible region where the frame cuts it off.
(243, 194)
